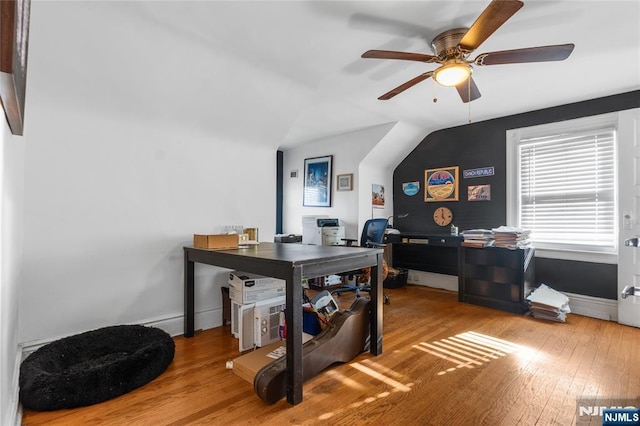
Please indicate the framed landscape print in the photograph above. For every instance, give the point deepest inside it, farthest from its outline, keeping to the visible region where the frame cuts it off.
(441, 184)
(317, 182)
(377, 194)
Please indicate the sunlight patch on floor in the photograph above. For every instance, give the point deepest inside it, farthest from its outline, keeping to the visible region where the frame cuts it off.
(380, 373)
(471, 349)
(339, 377)
(383, 378)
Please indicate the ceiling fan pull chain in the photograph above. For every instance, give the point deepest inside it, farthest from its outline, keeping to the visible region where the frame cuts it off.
(435, 96)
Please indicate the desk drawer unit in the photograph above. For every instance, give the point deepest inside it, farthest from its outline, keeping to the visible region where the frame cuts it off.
(429, 253)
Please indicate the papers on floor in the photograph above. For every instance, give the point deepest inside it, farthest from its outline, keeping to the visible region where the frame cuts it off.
(511, 238)
(477, 238)
(547, 303)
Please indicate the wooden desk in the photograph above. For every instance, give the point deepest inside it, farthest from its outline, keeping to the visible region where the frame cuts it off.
(292, 263)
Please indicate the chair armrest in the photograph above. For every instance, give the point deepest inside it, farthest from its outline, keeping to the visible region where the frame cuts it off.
(376, 245)
(348, 241)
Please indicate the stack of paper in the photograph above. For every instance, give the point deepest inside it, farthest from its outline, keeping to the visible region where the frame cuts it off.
(511, 238)
(547, 303)
(477, 238)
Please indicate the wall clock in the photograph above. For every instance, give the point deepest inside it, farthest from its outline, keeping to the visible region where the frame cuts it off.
(442, 216)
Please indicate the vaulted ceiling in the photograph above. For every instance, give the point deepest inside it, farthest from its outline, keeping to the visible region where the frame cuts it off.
(289, 72)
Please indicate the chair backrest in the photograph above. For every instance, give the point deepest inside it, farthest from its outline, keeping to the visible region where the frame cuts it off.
(373, 232)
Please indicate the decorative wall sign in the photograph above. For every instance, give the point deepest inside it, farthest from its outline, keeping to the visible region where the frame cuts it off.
(317, 182)
(481, 172)
(479, 193)
(344, 182)
(377, 195)
(441, 184)
(411, 188)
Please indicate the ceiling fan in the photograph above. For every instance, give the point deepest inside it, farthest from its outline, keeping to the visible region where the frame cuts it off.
(453, 47)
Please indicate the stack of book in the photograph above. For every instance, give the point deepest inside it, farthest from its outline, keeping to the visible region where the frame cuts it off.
(511, 238)
(478, 238)
(549, 304)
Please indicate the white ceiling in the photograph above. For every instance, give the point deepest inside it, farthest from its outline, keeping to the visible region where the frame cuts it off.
(290, 72)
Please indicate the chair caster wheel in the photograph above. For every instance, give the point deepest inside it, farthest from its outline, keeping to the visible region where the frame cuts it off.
(387, 300)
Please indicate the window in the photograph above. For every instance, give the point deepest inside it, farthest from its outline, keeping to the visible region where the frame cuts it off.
(563, 186)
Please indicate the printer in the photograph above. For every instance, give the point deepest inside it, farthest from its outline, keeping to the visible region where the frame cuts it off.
(322, 230)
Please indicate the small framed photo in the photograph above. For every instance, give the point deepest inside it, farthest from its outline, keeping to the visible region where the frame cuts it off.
(479, 193)
(317, 182)
(344, 182)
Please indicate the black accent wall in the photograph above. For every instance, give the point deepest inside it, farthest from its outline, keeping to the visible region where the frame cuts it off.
(483, 144)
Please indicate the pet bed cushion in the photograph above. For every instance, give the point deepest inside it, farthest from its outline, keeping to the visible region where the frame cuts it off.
(94, 366)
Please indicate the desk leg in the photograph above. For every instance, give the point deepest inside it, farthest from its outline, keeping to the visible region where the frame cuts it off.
(189, 315)
(376, 308)
(293, 316)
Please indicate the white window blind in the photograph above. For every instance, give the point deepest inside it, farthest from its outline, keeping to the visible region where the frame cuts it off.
(567, 190)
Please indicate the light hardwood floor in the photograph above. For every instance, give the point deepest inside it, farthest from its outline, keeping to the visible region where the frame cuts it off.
(443, 363)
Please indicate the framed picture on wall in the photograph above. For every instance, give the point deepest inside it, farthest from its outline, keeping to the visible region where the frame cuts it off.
(14, 38)
(344, 182)
(479, 193)
(377, 194)
(441, 184)
(317, 182)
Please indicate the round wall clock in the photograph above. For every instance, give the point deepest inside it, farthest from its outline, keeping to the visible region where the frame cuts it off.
(442, 216)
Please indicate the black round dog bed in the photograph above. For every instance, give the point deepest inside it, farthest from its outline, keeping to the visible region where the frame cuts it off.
(94, 366)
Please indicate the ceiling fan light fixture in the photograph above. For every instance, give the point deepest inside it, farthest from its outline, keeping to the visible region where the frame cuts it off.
(452, 73)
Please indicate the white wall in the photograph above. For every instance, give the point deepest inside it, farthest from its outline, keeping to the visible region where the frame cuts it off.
(378, 166)
(370, 154)
(115, 187)
(348, 151)
(11, 171)
(109, 204)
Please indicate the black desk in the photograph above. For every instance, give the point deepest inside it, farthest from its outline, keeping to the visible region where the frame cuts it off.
(290, 262)
(439, 253)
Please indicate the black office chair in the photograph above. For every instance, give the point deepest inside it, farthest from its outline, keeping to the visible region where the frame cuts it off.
(372, 236)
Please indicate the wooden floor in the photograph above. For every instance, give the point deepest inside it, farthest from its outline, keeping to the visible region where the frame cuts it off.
(443, 362)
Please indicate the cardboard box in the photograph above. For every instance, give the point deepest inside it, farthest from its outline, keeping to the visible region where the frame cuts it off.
(247, 288)
(246, 366)
(260, 294)
(217, 241)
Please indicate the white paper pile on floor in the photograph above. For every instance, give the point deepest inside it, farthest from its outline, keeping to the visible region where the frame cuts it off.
(547, 303)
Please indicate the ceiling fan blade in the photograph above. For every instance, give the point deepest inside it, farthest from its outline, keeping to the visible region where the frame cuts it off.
(557, 52)
(468, 90)
(407, 56)
(390, 94)
(492, 18)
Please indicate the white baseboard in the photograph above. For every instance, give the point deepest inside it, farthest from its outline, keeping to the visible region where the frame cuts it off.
(588, 306)
(594, 307)
(430, 279)
(173, 325)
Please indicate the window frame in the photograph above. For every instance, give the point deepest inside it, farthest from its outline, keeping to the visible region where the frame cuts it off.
(513, 138)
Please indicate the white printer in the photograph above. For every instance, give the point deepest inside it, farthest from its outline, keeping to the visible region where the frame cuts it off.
(322, 230)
